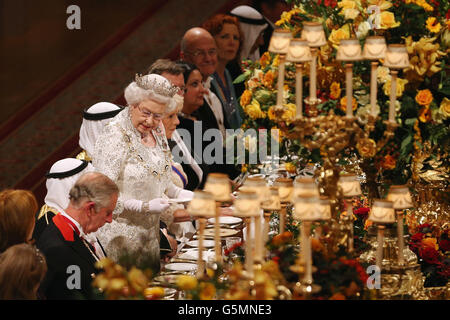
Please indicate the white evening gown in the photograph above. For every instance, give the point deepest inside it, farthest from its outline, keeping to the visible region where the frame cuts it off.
(141, 173)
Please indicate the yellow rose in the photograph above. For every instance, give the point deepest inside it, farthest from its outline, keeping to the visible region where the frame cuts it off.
(185, 282)
(444, 108)
(383, 74)
(246, 98)
(337, 35)
(253, 110)
(424, 97)
(431, 243)
(387, 20)
(289, 112)
(347, 4)
(290, 167)
(400, 87)
(433, 25)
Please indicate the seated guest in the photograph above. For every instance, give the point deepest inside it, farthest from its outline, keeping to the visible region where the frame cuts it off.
(227, 34)
(22, 269)
(133, 151)
(252, 25)
(94, 119)
(70, 257)
(17, 211)
(199, 48)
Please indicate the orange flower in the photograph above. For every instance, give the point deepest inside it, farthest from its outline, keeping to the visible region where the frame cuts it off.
(335, 90)
(389, 162)
(246, 98)
(268, 79)
(424, 97)
(343, 104)
(425, 114)
(433, 25)
(431, 243)
(207, 291)
(265, 60)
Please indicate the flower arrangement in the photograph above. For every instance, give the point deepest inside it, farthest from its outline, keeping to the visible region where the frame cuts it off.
(116, 283)
(283, 250)
(206, 288)
(432, 247)
(422, 107)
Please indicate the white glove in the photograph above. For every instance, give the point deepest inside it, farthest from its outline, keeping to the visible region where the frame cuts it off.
(185, 194)
(157, 205)
(133, 205)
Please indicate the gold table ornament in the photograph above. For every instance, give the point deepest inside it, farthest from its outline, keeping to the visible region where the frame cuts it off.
(219, 186)
(401, 198)
(298, 53)
(202, 206)
(279, 44)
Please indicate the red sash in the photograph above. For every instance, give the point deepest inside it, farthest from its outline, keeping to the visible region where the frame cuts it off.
(66, 227)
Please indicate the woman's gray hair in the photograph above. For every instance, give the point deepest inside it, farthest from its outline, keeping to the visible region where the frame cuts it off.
(93, 186)
(151, 87)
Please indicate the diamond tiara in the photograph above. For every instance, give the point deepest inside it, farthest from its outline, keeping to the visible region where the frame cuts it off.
(160, 88)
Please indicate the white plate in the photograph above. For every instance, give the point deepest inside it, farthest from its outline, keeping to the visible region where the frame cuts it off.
(226, 220)
(206, 243)
(181, 266)
(193, 255)
(176, 200)
(223, 232)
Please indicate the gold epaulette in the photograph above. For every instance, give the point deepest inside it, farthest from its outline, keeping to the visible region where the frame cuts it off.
(84, 156)
(45, 208)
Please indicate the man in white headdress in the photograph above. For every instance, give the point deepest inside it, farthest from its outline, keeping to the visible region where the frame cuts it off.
(252, 24)
(94, 120)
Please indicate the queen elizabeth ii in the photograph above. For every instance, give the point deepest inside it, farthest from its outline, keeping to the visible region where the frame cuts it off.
(133, 152)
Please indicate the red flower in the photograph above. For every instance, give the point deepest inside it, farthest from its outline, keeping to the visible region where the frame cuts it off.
(429, 255)
(444, 245)
(417, 237)
(276, 259)
(362, 212)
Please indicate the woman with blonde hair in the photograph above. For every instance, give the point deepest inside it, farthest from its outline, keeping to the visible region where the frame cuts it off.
(22, 269)
(17, 211)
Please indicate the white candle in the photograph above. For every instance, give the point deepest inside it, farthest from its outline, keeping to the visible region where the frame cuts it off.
(200, 263)
(380, 240)
(393, 95)
(308, 254)
(217, 239)
(258, 240)
(312, 75)
(401, 246)
(280, 82)
(248, 249)
(299, 90)
(373, 87)
(349, 89)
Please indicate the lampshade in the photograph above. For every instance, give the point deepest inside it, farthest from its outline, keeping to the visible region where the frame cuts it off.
(202, 204)
(279, 42)
(349, 185)
(305, 187)
(298, 51)
(396, 57)
(257, 185)
(273, 201)
(306, 208)
(285, 189)
(374, 48)
(349, 50)
(219, 186)
(400, 196)
(382, 211)
(314, 34)
(325, 208)
(246, 204)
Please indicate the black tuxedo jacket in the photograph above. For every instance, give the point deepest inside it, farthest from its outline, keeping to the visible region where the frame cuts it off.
(71, 265)
(209, 121)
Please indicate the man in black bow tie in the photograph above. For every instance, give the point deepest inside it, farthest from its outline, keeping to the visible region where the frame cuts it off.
(64, 242)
